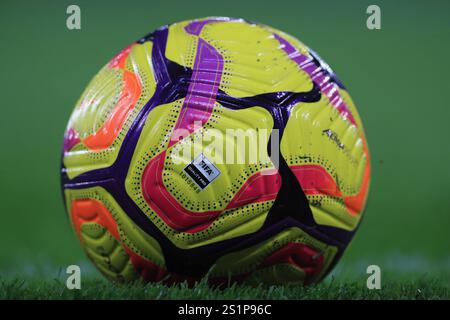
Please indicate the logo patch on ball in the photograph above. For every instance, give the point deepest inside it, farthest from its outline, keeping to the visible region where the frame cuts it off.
(202, 171)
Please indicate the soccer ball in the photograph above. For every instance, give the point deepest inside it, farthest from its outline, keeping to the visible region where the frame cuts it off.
(160, 185)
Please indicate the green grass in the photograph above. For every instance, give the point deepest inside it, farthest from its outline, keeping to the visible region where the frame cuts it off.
(422, 288)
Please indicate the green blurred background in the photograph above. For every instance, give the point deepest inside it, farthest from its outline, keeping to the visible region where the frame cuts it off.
(398, 77)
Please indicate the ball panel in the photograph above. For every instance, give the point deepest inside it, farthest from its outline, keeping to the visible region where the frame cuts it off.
(229, 140)
(181, 46)
(278, 274)
(107, 253)
(329, 161)
(113, 242)
(107, 109)
(232, 196)
(253, 61)
(309, 257)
